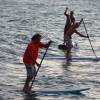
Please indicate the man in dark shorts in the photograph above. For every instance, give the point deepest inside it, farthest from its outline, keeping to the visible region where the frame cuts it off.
(68, 39)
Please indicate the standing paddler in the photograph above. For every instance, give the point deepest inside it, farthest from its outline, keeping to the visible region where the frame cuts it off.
(68, 39)
(30, 57)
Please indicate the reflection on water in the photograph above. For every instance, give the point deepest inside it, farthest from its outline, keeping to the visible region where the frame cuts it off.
(20, 20)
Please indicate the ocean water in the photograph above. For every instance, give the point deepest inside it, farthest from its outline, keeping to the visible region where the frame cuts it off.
(20, 20)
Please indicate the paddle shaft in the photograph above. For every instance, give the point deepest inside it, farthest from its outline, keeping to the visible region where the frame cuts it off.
(81, 21)
(40, 65)
(89, 40)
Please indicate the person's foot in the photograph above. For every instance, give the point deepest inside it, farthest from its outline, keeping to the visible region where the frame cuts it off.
(68, 63)
(29, 89)
(24, 90)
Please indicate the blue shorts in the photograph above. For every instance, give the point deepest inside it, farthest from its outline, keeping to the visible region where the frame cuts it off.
(31, 70)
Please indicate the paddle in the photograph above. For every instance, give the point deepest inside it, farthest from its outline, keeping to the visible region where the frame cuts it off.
(90, 41)
(81, 21)
(40, 64)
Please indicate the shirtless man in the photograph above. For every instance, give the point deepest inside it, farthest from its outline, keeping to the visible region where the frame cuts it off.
(68, 39)
(70, 20)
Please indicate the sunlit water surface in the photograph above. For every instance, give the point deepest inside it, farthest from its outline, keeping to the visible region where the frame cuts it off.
(20, 19)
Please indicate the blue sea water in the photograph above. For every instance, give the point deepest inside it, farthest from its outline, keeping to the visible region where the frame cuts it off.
(20, 20)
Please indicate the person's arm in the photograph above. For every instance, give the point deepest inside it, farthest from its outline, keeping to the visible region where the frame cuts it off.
(80, 34)
(65, 12)
(33, 60)
(45, 45)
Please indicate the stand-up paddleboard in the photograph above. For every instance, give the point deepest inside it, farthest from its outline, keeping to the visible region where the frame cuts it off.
(74, 91)
(89, 58)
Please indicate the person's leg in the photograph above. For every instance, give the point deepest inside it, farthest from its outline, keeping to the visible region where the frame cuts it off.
(34, 75)
(27, 82)
(30, 75)
(68, 53)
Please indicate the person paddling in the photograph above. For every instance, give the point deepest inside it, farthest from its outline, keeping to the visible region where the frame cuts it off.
(68, 39)
(30, 57)
(70, 19)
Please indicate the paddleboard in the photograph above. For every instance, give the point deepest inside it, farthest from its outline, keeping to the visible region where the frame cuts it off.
(90, 58)
(74, 91)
